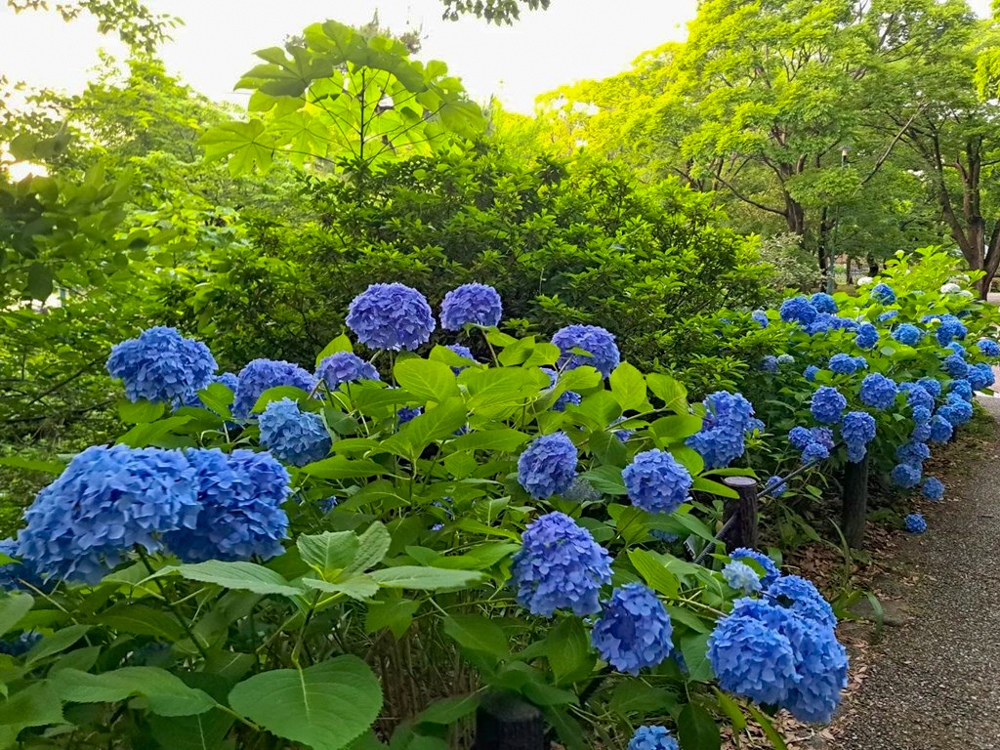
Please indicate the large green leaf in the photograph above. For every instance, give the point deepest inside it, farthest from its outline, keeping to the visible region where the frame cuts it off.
(328, 552)
(429, 579)
(341, 467)
(141, 620)
(697, 729)
(244, 576)
(247, 143)
(325, 706)
(654, 572)
(628, 386)
(568, 650)
(165, 693)
(205, 731)
(13, 607)
(477, 633)
(36, 706)
(426, 379)
(373, 545)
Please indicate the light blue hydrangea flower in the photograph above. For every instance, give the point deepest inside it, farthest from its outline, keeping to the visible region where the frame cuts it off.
(741, 577)
(161, 366)
(956, 410)
(860, 363)
(633, 631)
(988, 348)
(582, 491)
(107, 501)
(761, 317)
(915, 523)
(728, 419)
(908, 334)
(559, 566)
(867, 336)
(803, 598)
(932, 488)
(241, 494)
(798, 310)
(656, 482)
(294, 436)
(810, 373)
(888, 315)
(599, 343)
(652, 738)
(664, 536)
(775, 487)
(261, 374)
(906, 475)
(884, 294)
(843, 364)
(786, 359)
(878, 391)
(827, 404)
(822, 666)
(345, 367)
(478, 304)
(547, 466)
(771, 572)
(823, 303)
(941, 429)
(391, 316)
(857, 429)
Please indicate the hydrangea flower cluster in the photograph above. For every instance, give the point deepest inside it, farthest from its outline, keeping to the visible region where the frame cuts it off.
(956, 410)
(771, 572)
(912, 453)
(981, 376)
(867, 336)
(599, 343)
(652, 738)
(775, 486)
(845, 364)
(261, 374)
(559, 566)
(769, 363)
(107, 501)
(988, 348)
(656, 482)
(633, 630)
(803, 598)
(547, 466)
(741, 577)
(161, 366)
(798, 310)
(933, 489)
(878, 391)
(241, 494)
(464, 352)
(293, 435)
(566, 397)
(857, 429)
(918, 397)
(761, 317)
(908, 334)
(828, 404)
(478, 304)
(728, 419)
(824, 303)
(888, 315)
(949, 329)
(941, 428)
(17, 575)
(906, 475)
(391, 316)
(815, 452)
(884, 294)
(955, 366)
(915, 523)
(810, 373)
(345, 367)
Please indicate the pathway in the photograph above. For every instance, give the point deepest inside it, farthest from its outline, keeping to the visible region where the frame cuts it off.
(933, 682)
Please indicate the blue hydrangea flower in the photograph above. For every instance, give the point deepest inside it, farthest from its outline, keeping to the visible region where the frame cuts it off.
(228, 379)
(107, 501)
(843, 364)
(391, 316)
(775, 487)
(769, 363)
(18, 574)
(912, 453)
(741, 577)
(827, 404)
(958, 349)
(932, 488)
(634, 630)
(771, 572)
(656, 482)
(822, 667)
(988, 348)
(878, 391)
(161, 366)
(800, 437)
(867, 336)
(21, 645)
(786, 359)
(261, 374)
(917, 396)
(797, 310)
(751, 659)
(566, 397)
(464, 352)
(815, 452)
(843, 324)
(240, 495)
(547, 466)
(823, 436)
(981, 377)
(888, 315)
(906, 475)
(293, 435)
(803, 598)
(908, 334)
(810, 373)
(728, 419)
(915, 523)
(664, 536)
(407, 414)
(860, 363)
(822, 323)
(857, 429)
(478, 304)
(652, 738)
(949, 329)
(884, 294)
(956, 410)
(599, 343)
(930, 385)
(761, 317)
(823, 303)
(956, 367)
(941, 429)
(921, 431)
(961, 388)
(345, 367)
(559, 566)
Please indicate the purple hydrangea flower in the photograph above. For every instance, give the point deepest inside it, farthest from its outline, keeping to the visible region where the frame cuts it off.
(633, 631)
(559, 566)
(599, 343)
(547, 466)
(345, 367)
(827, 404)
(477, 304)
(161, 366)
(260, 375)
(656, 482)
(391, 316)
(878, 391)
(293, 435)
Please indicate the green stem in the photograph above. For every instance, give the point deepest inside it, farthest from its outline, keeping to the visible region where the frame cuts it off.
(170, 605)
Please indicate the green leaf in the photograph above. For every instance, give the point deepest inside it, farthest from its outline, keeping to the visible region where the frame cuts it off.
(13, 607)
(165, 693)
(247, 143)
(654, 572)
(144, 435)
(448, 710)
(357, 586)
(243, 576)
(55, 643)
(426, 579)
(38, 705)
(772, 734)
(637, 697)
(341, 467)
(325, 706)
(218, 398)
(437, 423)
(140, 411)
(697, 730)
(426, 379)
(668, 390)
(340, 344)
(329, 552)
(606, 480)
(394, 614)
(504, 440)
(40, 282)
(477, 633)
(373, 545)
(675, 428)
(731, 709)
(278, 393)
(695, 650)
(628, 386)
(689, 618)
(713, 488)
(205, 731)
(568, 650)
(46, 467)
(139, 619)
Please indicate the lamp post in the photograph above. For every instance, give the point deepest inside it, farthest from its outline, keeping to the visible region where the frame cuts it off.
(831, 269)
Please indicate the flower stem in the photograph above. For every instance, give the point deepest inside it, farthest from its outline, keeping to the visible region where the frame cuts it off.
(163, 592)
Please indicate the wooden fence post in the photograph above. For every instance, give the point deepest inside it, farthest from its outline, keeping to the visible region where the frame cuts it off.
(855, 502)
(505, 721)
(743, 512)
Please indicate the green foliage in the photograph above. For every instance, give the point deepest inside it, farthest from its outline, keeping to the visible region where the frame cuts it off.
(132, 20)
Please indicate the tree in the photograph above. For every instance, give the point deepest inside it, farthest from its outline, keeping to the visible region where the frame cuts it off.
(133, 21)
(494, 11)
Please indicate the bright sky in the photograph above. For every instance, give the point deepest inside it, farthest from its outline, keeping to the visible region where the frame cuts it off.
(573, 40)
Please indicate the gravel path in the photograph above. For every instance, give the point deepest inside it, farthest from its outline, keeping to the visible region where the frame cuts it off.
(934, 680)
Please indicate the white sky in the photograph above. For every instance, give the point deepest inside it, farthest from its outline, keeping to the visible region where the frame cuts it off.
(573, 40)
